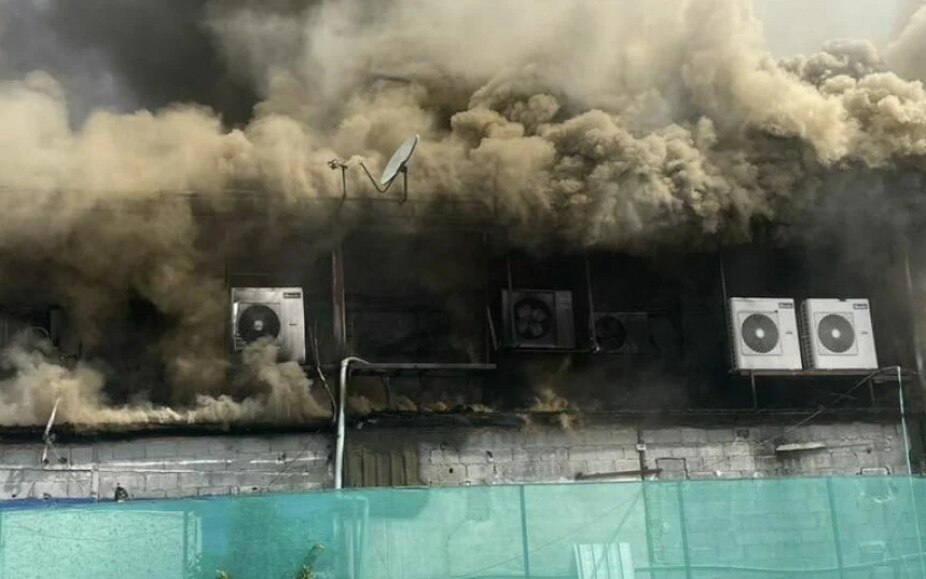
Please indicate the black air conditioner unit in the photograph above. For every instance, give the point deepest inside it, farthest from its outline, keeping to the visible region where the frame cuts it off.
(538, 319)
(623, 332)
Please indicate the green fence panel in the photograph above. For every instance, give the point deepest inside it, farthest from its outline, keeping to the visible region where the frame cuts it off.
(851, 527)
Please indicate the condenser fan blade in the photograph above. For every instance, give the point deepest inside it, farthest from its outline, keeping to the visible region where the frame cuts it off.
(533, 318)
(610, 333)
(257, 322)
(836, 333)
(760, 333)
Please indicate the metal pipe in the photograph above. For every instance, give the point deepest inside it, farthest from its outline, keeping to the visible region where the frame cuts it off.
(338, 300)
(342, 403)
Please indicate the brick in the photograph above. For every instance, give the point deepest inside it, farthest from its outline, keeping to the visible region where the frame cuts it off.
(210, 466)
(219, 478)
(519, 454)
(741, 463)
(473, 456)
(695, 463)
(579, 453)
(711, 452)
(739, 448)
(534, 471)
(258, 464)
(626, 465)
(547, 454)
(256, 479)
(296, 444)
(53, 489)
(213, 491)
(16, 456)
(846, 463)
(192, 448)
(684, 452)
(612, 453)
(161, 481)
(253, 445)
(480, 472)
(189, 480)
(720, 435)
(161, 449)
(499, 455)
(80, 455)
(599, 467)
(221, 446)
(693, 435)
(448, 475)
(663, 436)
(130, 450)
(14, 491)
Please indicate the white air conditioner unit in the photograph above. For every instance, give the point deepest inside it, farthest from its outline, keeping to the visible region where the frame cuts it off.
(837, 335)
(539, 319)
(763, 334)
(277, 313)
(623, 332)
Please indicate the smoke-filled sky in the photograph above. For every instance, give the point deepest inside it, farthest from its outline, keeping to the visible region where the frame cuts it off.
(124, 54)
(624, 125)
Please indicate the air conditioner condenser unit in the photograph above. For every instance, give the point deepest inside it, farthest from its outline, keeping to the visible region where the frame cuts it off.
(763, 334)
(623, 332)
(538, 319)
(274, 313)
(837, 334)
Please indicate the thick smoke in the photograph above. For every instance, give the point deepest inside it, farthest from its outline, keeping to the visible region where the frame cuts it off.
(280, 393)
(623, 125)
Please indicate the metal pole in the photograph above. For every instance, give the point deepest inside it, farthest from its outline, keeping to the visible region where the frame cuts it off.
(684, 530)
(906, 445)
(342, 403)
(591, 305)
(525, 544)
(917, 339)
(723, 281)
(834, 521)
(510, 313)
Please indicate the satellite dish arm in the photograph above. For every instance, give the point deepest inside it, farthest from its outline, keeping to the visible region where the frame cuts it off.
(373, 181)
(403, 169)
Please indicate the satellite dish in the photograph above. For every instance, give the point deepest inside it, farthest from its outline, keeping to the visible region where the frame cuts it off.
(398, 161)
(397, 164)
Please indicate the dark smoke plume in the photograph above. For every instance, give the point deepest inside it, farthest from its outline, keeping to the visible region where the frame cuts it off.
(620, 125)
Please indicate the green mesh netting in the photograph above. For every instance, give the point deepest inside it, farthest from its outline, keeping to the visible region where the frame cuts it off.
(853, 527)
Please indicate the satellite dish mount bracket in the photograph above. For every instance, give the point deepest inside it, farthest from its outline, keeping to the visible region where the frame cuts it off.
(403, 170)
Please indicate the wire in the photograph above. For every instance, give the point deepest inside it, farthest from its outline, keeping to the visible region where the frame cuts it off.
(287, 464)
(821, 410)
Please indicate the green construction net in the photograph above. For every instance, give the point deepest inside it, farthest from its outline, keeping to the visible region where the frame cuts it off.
(853, 527)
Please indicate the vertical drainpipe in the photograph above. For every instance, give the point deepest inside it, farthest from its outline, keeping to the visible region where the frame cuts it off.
(339, 330)
(338, 301)
(342, 428)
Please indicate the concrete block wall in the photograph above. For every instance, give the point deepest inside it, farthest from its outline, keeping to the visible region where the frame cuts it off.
(167, 467)
(618, 452)
(214, 465)
(739, 452)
